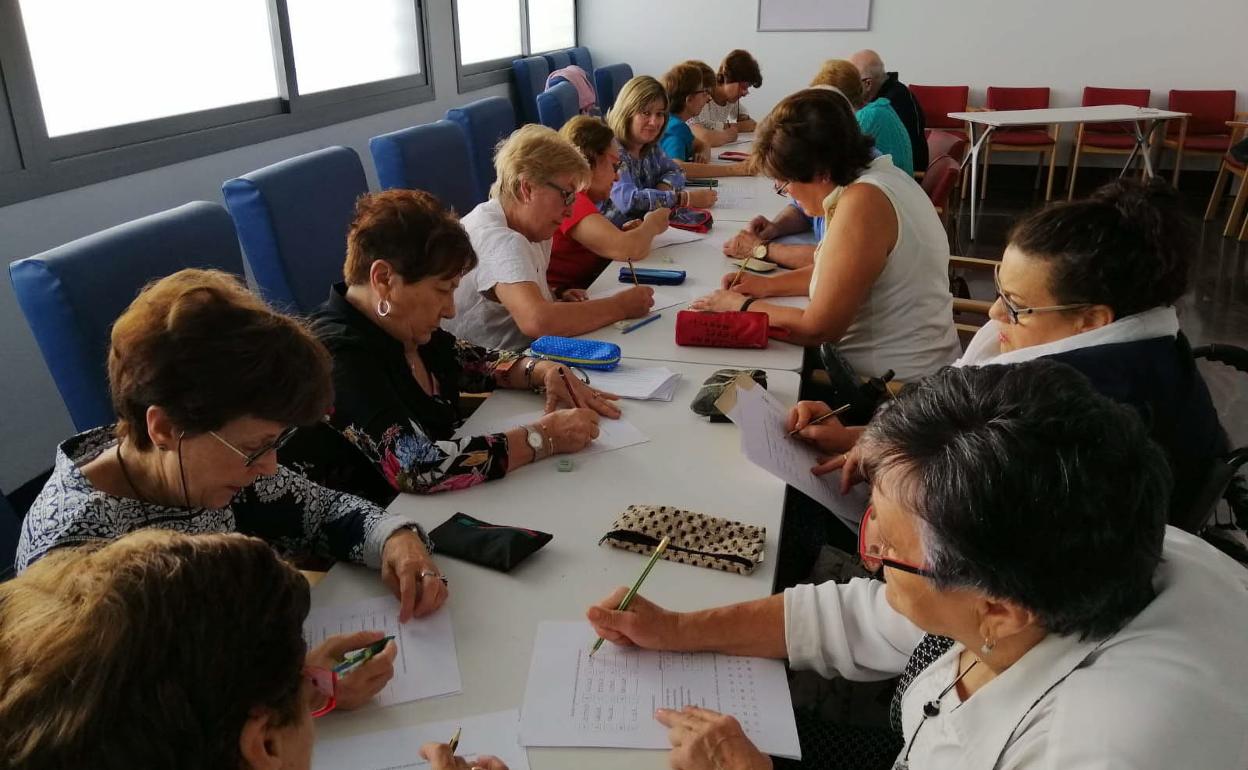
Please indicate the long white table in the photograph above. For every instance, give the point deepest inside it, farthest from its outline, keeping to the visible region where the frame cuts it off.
(1144, 122)
(688, 462)
(705, 265)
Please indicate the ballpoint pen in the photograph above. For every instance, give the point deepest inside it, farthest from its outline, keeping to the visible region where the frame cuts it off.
(628, 597)
(640, 323)
(454, 742)
(817, 420)
(563, 375)
(357, 658)
(632, 270)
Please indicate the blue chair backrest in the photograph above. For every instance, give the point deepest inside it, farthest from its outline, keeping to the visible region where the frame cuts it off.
(10, 531)
(292, 219)
(71, 295)
(557, 60)
(557, 104)
(531, 73)
(581, 58)
(433, 157)
(610, 80)
(486, 122)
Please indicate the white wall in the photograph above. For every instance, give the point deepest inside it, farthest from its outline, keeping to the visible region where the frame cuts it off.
(1063, 44)
(32, 417)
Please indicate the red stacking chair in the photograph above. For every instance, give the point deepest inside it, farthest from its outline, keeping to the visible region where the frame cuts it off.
(1231, 167)
(1205, 131)
(1038, 139)
(1105, 138)
(942, 143)
(938, 183)
(937, 102)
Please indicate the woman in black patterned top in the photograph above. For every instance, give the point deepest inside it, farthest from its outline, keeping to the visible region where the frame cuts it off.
(398, 376)
(208, 382)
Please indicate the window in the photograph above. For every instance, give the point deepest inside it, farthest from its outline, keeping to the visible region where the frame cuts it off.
(102, 64)
(345, 44)
(489, 34)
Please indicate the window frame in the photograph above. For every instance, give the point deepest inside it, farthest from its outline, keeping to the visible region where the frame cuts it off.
(479, 75)
(32, 164)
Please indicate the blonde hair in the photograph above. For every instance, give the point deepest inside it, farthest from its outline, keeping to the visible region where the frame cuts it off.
(539, 154)
(844, 77)
(632, 99)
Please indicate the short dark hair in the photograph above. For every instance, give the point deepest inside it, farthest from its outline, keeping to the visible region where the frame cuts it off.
(412, 231)
(148, 651)
(1031, 487)
(205, 349)
(1129, 246)
(809, 134)
(589, 134)
(740, 67)
(681, 82)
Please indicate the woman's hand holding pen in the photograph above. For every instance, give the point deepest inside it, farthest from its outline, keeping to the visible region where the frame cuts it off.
(442, 757)
(360, 684)
(644, 624)
(569, 390)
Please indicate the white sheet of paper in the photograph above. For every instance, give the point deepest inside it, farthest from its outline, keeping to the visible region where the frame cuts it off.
(609, 700)
(664, 296)
(497, 734)
(646, 383)
(767, 444)
(426, 664)
(731, 198)
(673, 236)
(612, 434)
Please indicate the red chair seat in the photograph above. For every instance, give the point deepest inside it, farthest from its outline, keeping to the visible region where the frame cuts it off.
(1234, 163)
(1107, 141)
(1204, 143)
(1025, 137)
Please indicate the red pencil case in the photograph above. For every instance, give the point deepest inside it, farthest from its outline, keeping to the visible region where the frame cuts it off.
(728, 329)
(733, 155)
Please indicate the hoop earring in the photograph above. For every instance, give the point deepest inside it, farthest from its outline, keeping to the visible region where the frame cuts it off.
(383, 308)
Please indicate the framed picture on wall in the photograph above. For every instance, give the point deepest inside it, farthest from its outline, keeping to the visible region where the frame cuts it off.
(813, 15)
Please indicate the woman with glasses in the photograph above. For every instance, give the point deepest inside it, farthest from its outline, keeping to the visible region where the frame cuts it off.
(398, 376)
(163, 650)
(1038, 608)
(207, 382)
(688, 87)
(586, 242)
(649, 179)
(879, 285)
(506, 301)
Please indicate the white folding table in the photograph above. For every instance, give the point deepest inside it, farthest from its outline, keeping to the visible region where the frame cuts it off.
(1144, 122)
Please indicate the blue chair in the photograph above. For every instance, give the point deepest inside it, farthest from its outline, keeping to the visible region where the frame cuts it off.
(486, 122)
(531, 73)
(581, 58)
(609, 80)
(557, 104)
(557, 59)
(292, 219)
(433, 157)
(71, 295)
(10, 531)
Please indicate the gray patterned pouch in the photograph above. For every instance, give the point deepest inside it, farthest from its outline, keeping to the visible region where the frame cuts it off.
(697, 539)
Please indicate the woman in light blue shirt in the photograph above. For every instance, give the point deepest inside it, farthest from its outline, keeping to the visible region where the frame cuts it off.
(688, 86)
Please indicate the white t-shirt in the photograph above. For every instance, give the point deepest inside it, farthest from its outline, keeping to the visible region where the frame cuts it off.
(504, 256)
(905, 323)
(714, 117)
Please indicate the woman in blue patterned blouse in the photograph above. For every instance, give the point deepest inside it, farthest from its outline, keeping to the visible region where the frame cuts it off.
(207, 382)
(648, 178)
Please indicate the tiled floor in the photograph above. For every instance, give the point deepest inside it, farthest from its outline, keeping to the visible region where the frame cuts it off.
(1215, 308)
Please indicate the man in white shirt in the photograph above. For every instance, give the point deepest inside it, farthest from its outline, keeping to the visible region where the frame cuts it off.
(723, 117)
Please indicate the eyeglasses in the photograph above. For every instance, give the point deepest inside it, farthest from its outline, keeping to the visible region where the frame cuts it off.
(1015, 311)
(250, 459)
(569, 196)
(782, 188)
(324, 694)
(871, 550)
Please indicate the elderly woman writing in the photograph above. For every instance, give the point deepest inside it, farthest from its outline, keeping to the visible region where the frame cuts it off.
(397, 376)
(506, 301)
(1043, 614)
(208, 382)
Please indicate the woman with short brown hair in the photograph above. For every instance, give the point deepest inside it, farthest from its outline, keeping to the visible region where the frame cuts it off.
(208, 382)
(688, 87)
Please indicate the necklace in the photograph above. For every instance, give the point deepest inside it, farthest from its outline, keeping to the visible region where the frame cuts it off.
(126, 474)
(930, 709)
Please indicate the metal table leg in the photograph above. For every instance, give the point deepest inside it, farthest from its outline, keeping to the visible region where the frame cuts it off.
(976, 144)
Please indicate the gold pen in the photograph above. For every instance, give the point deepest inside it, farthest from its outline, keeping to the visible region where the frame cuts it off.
(628, 597)
(633, 270)
(817, 420)
(454, 743)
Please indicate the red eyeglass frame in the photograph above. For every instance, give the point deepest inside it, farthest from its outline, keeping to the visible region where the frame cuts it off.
(874, 563)
(326, 682)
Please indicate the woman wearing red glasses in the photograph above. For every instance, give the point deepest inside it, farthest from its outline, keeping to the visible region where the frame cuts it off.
(1042, 613)
(111, 657)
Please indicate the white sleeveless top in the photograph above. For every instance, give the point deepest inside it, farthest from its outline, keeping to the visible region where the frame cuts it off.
(905, 323)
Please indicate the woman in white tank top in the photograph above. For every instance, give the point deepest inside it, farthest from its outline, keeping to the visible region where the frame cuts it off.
(879, 285)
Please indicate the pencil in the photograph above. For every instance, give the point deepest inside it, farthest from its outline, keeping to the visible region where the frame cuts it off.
(817, 420)
(628, 597)
(740, 270)
(563, 374)
(454, 744)
(633, 271)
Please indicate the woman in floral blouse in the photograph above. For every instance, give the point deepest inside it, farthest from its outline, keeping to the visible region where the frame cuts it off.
(398, 376)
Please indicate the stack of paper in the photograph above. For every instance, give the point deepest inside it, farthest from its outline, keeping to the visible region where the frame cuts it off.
(638, 382)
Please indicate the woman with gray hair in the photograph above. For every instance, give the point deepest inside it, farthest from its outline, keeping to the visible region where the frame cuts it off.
(505, 301)
(1042, 613)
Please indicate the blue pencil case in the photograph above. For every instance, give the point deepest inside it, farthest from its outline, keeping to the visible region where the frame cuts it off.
(584, 354)
(653, 276)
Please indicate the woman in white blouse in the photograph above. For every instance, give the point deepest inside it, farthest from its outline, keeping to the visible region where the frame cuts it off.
(1049, 617)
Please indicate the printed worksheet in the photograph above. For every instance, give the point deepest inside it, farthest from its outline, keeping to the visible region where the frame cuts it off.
(733, 197)
(426, 664)
(674, 236)
(494, 734)
(612, 434)
(609, 699)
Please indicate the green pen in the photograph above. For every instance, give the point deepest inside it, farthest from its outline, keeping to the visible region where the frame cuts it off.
(628, 598)
(356, 658)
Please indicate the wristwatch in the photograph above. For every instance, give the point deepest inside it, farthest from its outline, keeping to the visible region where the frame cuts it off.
(535, 440)
(760, 252)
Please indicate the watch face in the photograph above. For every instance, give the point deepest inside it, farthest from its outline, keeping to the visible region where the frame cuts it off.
(535, 439)
(760, 251)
